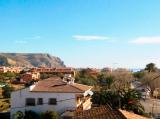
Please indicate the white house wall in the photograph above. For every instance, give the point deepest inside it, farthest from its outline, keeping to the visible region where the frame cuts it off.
(18, 99)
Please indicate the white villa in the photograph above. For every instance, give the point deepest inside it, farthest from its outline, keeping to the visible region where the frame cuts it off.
(143, 89)
(52, 94)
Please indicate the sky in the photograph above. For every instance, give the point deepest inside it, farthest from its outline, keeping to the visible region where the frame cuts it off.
(84, 33)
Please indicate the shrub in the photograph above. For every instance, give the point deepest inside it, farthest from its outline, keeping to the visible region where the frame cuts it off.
(31, 115)
(19, 115)
(7, 91)
(49, 115)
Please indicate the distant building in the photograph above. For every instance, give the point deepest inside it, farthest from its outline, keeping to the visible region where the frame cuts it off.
(10, 69)
(143, 89)
(106, 69)
(30, 76)
(122, 70)
(52, 94)
(93, 71)
(56, 71)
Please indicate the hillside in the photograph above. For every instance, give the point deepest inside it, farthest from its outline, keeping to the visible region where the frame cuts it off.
(30, 60)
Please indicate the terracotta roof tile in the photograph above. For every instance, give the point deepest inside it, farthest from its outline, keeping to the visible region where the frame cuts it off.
(81, 86)
(57, 85)
(102, 112)
(130, 115)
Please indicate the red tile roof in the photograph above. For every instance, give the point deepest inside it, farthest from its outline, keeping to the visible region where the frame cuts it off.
(102, 112)
(130, 115)
(57, 85)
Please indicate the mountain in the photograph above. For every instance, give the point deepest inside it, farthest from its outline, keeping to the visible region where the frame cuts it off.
(30, 60)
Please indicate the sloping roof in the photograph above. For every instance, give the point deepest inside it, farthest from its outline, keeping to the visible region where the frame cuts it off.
(102, 112)
(130, 115)
(57, 85)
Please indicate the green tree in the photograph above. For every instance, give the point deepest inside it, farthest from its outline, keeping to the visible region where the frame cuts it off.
(151, 67)
(104, 97)
(104, 80)
(125, 99)
(139, 74)
(31, 115)
(19, 115)
(49, 115)
(7, 91)
(130, 100)
(84, 77)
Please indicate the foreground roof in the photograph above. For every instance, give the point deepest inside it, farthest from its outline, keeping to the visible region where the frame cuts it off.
(57, 85)
(102, 112)
(130, 115)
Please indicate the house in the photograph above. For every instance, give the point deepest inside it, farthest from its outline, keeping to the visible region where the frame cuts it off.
(10, 69)
(56, 71)
(30, 76)
(143, 89)
(106, 69)
(94, 71)
(52, 94)
(2, 69)
(26, 78)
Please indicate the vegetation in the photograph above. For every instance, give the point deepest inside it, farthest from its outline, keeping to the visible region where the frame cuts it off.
(50, 115)
(130, 100)
(124, 99)
(111, 88)
(139, 74)
(114, 87)
(4, 105)
(8, 76)
(7, 91)
(151, 67)
(19, 115)
(105, 81)
(84, 77)
(151, 79)
(33, 115)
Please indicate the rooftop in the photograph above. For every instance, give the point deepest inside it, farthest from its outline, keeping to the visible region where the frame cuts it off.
(105, 112)
(57, 85)
(102, 112)
(130, 115)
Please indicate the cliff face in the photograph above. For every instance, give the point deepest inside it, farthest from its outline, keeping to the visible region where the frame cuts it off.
(30, 60)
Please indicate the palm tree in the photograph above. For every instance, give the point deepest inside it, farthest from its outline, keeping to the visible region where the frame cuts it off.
(104, 81)
(124, 99)
(130, 100)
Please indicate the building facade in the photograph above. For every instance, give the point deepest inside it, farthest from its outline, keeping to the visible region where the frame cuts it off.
(52, 94)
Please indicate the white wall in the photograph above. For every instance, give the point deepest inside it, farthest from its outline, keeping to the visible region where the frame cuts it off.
(18, 99)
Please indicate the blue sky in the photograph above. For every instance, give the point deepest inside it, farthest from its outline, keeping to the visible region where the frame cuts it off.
(84, 33)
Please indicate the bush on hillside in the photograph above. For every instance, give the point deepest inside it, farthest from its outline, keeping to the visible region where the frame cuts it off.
(49, 115)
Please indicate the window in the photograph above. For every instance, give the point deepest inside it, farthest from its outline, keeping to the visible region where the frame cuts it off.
(52, 101)
(30, 102)
(40, 101)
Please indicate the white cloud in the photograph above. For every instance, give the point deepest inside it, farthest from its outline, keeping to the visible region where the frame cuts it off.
(89, 37)
(146, 40)
(20, 42)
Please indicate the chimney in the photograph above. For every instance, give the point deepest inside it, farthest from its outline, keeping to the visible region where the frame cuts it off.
(68, 78)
